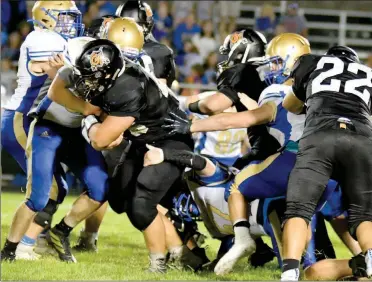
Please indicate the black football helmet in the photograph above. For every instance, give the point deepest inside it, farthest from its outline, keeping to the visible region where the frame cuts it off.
(343, 51)
(241, 46)
(96, 68)
(140, 11)
(98, 26)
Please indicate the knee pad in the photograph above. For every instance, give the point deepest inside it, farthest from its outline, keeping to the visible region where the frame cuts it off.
(301, 210)
(142, 214)
(44, 217)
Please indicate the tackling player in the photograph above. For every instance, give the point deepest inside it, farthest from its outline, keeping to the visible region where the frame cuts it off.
(100, 73)
(55, 22)
(161, 63)
(241, 75)
(259, 179)
(337, 89)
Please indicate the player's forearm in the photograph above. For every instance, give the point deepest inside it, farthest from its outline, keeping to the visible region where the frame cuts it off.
(292, 104)
(214, 104)
(61, 95)
(99, 139)
(223, 121)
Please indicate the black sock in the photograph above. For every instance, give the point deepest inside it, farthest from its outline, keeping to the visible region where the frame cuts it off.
(242, 223)
(10, 246)
(289, 264)
(64, 228)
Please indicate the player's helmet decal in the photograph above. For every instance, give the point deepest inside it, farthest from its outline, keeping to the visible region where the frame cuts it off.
(236, 36)
(98, 60)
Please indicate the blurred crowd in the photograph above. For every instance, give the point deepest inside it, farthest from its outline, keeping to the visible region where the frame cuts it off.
(193, 29)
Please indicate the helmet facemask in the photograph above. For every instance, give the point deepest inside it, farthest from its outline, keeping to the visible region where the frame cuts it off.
(68, 23)
(277, 73)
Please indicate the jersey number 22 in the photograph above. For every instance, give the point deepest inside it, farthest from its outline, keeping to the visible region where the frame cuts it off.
(335, 84)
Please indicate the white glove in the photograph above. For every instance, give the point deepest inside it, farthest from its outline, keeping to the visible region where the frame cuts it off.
(86, 124)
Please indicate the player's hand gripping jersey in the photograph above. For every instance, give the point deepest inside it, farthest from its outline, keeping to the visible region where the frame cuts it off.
(332, 87)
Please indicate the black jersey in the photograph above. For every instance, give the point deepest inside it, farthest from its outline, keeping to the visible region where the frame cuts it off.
(162, 59)
(332, 87)
(135, 94)
(248, 79)
(243, 78)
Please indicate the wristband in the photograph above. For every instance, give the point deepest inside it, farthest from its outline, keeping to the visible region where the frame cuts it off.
(86, 124)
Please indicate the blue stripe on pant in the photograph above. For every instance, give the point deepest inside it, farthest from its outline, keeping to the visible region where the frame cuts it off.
(265, 179)
(48, 145)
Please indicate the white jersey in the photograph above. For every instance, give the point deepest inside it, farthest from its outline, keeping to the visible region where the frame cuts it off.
(43, 107)
(286, 126)
(39, 45)
(225, 146)
(213, 207)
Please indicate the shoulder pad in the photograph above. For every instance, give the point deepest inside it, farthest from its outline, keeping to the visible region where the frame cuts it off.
(42, 44)
(229, 77)
(307, 61)
(274, 91)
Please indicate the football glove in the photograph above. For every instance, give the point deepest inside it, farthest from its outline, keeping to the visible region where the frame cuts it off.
(177, 125)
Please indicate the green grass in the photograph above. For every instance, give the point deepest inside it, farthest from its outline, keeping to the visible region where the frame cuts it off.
(122, 254)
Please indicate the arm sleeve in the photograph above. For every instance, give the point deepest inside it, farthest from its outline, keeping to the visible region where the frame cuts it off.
(300, 73)
(225, 84)
(41, 45)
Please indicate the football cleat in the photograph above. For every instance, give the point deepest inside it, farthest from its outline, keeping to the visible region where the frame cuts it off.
(185, 259)
(229, 260)
(8, 256)
(157, 265)
(261, 256)
(85, 245)
(43, 248)
(26, 252)
(290, 275)
(369, 263)
(61, 244)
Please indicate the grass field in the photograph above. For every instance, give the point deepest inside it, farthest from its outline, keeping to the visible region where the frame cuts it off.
(122, 254)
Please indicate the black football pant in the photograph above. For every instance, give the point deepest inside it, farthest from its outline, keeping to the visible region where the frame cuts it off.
(137, 190)
(341, 154)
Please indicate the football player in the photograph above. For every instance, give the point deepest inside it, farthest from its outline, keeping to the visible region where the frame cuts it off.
(259, 179)
(161, 64)
(337, 89)
(138, 111)
(160, 54)
(208, 182)
(54, 22)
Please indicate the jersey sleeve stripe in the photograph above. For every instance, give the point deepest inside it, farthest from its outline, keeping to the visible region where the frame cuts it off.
(49, 51)
(42, 56)
(270, 96)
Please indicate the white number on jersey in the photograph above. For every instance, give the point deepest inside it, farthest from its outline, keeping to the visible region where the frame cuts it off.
(335, 85)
